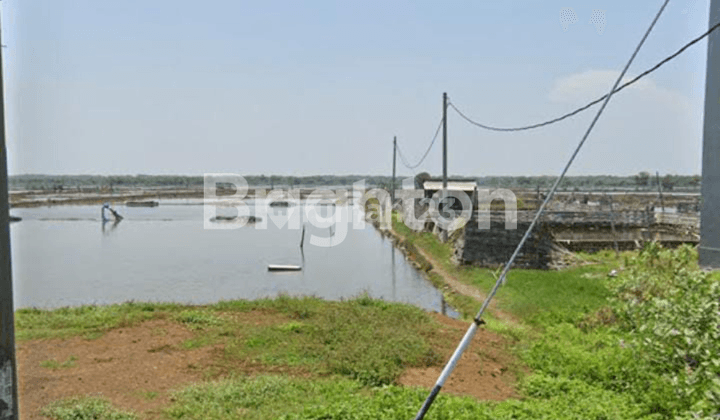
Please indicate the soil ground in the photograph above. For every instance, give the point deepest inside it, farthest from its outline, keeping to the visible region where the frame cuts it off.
(137, 367)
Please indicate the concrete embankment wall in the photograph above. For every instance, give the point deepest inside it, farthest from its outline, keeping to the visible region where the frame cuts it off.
(493, 247)
(559, 232)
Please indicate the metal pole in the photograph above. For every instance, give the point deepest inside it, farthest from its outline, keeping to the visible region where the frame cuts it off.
(8, 370)
(392, 187)
(709, 249)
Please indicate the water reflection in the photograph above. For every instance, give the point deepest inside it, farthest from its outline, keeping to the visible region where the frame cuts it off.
(394, 274)
(108, 230)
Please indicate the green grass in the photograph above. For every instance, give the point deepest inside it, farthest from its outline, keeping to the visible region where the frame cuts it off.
(264, 397)
(538, 297)
(274, 397)
(88, 321)
(86, 408)
(645, 339)
(363, 338)
(54, 364)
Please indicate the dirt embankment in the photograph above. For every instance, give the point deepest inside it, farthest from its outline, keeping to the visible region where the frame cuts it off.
(133, 367)
(425, 262)
(37, 199)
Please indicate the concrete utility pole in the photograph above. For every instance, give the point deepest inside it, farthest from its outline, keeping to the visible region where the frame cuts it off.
(8, 368)
(444, 143)
(445, 182)
(709, 249)
(392, 187)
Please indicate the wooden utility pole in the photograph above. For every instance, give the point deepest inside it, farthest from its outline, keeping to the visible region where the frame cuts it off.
(392, 187)
(709, 249)
(8, 367)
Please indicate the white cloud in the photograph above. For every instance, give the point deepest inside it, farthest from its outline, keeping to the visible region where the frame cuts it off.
(593, 84)
(645, 126)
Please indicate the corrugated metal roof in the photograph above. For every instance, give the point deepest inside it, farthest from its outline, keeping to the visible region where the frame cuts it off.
(451, 185)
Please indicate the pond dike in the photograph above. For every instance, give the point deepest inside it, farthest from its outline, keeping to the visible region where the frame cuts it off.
(560, 232)
(438, 277)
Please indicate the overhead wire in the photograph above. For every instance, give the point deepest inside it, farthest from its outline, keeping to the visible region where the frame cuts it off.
(591, 104)
(404, 161)
(477, 321)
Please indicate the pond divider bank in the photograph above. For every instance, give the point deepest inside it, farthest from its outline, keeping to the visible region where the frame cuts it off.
(461, 297)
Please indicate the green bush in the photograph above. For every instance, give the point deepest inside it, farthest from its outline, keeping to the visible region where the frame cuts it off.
(672, 311)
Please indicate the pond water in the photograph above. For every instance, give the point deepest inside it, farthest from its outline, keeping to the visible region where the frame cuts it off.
(66, 256)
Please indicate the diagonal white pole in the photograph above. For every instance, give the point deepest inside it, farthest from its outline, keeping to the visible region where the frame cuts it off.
(450, 366)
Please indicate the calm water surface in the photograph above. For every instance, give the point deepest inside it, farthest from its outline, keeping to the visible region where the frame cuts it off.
(65, 256)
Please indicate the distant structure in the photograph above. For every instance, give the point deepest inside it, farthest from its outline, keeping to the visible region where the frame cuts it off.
(431, 187)
(709, 249)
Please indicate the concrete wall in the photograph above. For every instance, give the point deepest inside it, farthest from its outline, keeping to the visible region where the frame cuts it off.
(559, 231)
(493, 247)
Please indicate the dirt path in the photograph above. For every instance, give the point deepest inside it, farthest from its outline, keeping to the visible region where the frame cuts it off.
(459, 287)
(486, 371)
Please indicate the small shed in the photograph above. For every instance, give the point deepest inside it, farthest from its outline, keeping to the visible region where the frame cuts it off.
(468, 187)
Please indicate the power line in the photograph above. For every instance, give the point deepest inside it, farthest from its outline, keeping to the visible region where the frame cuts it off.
(404, 160)
(595, 102)
(450, 366)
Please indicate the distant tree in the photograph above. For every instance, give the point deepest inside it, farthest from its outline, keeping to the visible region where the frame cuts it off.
(420, 179)
(668, 182)
(642, 179)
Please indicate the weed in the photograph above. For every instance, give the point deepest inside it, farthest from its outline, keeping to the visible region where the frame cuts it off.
(85, 408)
(54, 364)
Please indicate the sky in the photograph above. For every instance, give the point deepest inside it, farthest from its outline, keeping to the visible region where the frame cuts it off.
(322, 87)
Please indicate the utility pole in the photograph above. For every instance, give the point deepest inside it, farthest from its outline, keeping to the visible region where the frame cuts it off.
(444, 143)
(709, 249)
(8, 367)
(445, 182)
(392, 187)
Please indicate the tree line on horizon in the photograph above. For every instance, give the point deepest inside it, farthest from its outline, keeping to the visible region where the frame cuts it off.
(640, 181)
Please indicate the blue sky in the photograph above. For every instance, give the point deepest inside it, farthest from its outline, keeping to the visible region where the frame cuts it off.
(321, 87)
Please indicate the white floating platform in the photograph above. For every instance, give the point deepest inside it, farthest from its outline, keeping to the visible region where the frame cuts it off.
(277, 267)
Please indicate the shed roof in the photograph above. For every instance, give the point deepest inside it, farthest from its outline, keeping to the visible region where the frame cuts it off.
(451, 185)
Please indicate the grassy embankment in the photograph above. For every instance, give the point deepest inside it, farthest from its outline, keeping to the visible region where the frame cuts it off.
(642, 345)
(645, 344)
